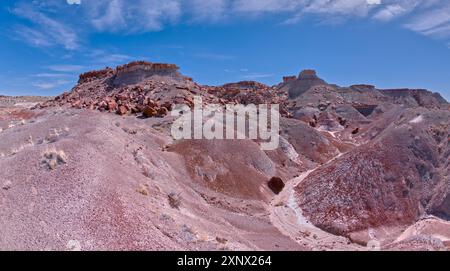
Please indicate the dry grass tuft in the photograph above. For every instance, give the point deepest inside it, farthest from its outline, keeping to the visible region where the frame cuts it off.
(53, 158)
(279, 204)
(142, 190)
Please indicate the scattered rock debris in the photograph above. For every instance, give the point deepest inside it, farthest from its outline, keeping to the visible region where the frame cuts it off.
(174, 200)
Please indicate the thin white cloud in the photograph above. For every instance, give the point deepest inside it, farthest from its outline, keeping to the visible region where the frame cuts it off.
(435, 22)
(254, 76)
(211, 10)
(113, 59)
(32, 36)
(138, 16)
(390, 12)
(215, 56)
(74, 2)
(428, 17)
(442, 31)
(358, 8)
(45, 31)
(51, 75)
(107, 58)
(50, 85)
(107, 16)
(65, 68)
(266, 5)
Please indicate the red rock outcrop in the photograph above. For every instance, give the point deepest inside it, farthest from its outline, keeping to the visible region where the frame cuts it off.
(93, 75)
(305, 80)
(365, 109)
(145, 65)
(287, 79)
(276, 184)
(138, 71)
(362, 87)
(245, 85)
(416, 97)
(128, 89)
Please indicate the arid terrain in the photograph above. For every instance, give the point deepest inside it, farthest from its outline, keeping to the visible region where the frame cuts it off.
(96, 168)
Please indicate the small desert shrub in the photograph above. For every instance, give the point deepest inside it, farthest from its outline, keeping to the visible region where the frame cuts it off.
(30, 140)
(55, 134)
(305, 233)
(53, 158)
(142, 190)
(174, 200)
(221, 240)
(7, 185)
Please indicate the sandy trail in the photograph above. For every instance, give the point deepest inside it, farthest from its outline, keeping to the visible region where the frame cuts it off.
(430, 225)
(286, 215)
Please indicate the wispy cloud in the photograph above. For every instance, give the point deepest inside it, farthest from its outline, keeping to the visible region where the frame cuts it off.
(66, 68)
(51, 75)
(31, 36)
(236, 70)
(211, 10)
(259, 6)
(51, 85)
(390, 12)
(105, 57)
(45, 31)
(215, 56)
(435, 22)
(254, 76)
(139, 16)
(428, 17)
(74, 2)
(114, 59)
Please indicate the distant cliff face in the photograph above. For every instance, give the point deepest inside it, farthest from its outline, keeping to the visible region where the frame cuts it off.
(93, 75)
(418, 97)
(287, 79)
(306, 80)
(135, 72)
(245, 85)
(306, 96)
(132, 73)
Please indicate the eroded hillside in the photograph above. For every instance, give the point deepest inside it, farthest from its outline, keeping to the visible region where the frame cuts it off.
(357, 168)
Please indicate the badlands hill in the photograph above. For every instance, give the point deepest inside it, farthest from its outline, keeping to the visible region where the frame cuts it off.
(96, 168)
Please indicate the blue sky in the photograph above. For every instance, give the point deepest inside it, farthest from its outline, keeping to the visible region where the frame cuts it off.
(44, 45)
